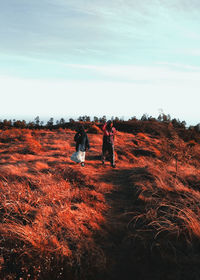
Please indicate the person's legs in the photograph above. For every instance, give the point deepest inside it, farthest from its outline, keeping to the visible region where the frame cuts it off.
(104, 149)
(112, 155)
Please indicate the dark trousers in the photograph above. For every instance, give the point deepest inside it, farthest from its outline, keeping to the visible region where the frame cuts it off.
(108, 147)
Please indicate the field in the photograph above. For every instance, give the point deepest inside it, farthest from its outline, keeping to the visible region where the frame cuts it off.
(59, 220)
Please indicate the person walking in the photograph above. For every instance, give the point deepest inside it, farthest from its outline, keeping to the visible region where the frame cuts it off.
(108, 142)
(82, 144)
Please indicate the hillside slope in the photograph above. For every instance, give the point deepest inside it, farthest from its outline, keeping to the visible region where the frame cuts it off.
(59, 220)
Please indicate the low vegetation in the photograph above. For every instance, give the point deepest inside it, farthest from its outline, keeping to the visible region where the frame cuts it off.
(59, 220)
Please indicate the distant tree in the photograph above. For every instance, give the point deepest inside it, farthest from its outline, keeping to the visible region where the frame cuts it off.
(84, 118)
(50, 123)
(197, 127)
(20, 124)
(71, 120)
(178, 124)
(80, 119)
(150, 118)
(87, 118)
(191, 127)
(31, 125)
(96, 119)
(37, 121)
(62, 121)
(183, 123)
(168, 118)
(175, 122)
(103, 119)
(144, 117)
(163, 117)
(160, 117)
(23, 124)
(133, 118)
(7, 124)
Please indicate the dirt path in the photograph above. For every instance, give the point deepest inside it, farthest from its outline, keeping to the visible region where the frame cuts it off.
(120, 200)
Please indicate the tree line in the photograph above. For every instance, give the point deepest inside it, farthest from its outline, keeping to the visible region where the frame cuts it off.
(62, 123)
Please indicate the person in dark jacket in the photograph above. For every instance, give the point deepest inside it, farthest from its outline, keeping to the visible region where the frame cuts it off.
(108, 142)
(82, 143)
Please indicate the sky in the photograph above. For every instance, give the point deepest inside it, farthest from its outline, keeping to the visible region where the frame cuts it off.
(67, 58)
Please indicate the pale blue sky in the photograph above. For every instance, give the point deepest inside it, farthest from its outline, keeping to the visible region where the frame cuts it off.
(61, 58)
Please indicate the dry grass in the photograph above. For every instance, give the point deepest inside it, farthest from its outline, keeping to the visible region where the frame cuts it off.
(56, 221)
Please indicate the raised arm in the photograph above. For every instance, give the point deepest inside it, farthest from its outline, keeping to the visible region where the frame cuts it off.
(104, 127)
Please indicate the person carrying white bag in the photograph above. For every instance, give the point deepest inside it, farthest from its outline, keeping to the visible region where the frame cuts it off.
(82, 144)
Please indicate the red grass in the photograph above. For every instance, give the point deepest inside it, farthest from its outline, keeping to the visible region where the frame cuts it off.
(56, 218)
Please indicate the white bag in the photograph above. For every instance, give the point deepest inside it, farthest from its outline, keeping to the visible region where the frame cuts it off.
(74, 157)
(78, 156)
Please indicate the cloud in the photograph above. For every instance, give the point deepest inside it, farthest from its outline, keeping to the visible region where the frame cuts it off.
(160, 72)
(166, 72)
(102, 46)
(115, 32)
(180, 66)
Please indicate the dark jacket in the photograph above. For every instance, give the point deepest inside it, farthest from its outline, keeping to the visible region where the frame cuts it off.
(82, 142)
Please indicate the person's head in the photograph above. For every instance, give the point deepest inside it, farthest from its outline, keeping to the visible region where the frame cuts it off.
(109, 124)
(81, 128)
